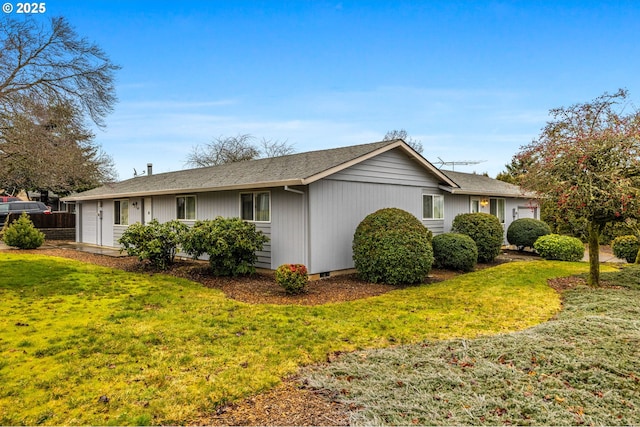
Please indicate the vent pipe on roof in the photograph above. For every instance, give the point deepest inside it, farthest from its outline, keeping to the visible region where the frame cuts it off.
(149, 169)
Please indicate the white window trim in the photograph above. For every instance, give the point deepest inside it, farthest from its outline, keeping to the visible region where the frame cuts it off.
(440, 196)
(254, 193)
(120, 213)
(472, 201)
(195, 199)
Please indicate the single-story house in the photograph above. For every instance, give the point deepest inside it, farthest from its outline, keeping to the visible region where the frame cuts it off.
(309, 204)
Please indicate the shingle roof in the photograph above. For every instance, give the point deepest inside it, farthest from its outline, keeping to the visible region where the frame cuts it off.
(294, 169)
(481, 185)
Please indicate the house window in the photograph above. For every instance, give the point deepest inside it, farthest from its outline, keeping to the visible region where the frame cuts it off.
(255, 206)
(497, 208)
(432, 206)
(121, 212)
(475, 205)
(186, 207)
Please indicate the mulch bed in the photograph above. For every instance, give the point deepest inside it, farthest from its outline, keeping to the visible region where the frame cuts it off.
(289, 403)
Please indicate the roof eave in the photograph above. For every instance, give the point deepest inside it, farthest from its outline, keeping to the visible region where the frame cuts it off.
(131, 194)
(462, 191)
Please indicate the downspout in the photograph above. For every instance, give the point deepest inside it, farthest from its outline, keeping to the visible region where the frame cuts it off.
(305, 223)
(293, 190)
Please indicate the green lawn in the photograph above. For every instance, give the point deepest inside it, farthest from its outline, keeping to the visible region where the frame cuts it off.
(583, 367)
(83, 344)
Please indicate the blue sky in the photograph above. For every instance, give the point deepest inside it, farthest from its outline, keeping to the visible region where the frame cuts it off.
(471, 80)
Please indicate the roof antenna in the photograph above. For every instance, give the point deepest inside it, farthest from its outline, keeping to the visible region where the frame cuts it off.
(460, 162)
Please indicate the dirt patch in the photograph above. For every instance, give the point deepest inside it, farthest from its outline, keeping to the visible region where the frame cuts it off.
(286, 405)
(562, 284)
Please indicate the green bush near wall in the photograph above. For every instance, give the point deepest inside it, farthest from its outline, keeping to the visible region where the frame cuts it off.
(392, 246)
(484, 229)
(154, 242)
(231, 244)
(524, 232)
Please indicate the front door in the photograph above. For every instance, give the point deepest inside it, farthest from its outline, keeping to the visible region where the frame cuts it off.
(148, 210)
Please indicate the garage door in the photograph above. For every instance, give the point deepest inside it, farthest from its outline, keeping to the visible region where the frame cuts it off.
(528, 212)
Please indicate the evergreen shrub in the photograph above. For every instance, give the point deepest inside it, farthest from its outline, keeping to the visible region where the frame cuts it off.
(562, 248)
(484, 229)
(22, 234)
(392, 246)
(158, 243)
(626, 247)
(524, 232)
(231, 244)
(455, 251)
(292, 277)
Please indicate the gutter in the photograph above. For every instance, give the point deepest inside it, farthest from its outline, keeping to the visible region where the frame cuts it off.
(191, 190)
(462, 191)
(293, 190)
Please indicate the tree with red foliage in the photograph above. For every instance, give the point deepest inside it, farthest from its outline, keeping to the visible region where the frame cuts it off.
(587, 162)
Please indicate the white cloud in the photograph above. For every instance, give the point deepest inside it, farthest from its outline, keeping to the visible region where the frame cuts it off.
(452, 124)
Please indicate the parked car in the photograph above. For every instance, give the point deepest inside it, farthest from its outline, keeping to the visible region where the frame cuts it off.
(4, 199)
(18, 207)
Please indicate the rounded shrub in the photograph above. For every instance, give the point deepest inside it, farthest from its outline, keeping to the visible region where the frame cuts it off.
(392, 246)
(563, 248)
(626, 247)
(22, 234)
(484, 229)
(231, 244)
(455, 251)
(525, 231)
(292, 277)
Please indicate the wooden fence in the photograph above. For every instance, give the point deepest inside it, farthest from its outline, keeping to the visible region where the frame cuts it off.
(55, 226)
(54, 220)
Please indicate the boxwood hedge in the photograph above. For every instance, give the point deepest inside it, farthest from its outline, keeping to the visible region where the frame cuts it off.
(392, 246)
(562, 248)
(484, 229)
(524, 232)
(455, 251)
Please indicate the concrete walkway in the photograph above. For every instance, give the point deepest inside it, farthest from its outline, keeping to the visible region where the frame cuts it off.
(606, 255)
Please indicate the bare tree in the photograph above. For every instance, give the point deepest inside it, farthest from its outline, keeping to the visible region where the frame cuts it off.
(51, 80)
(402, 134)
(53, 64)
(238, 148)
(270, 148)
